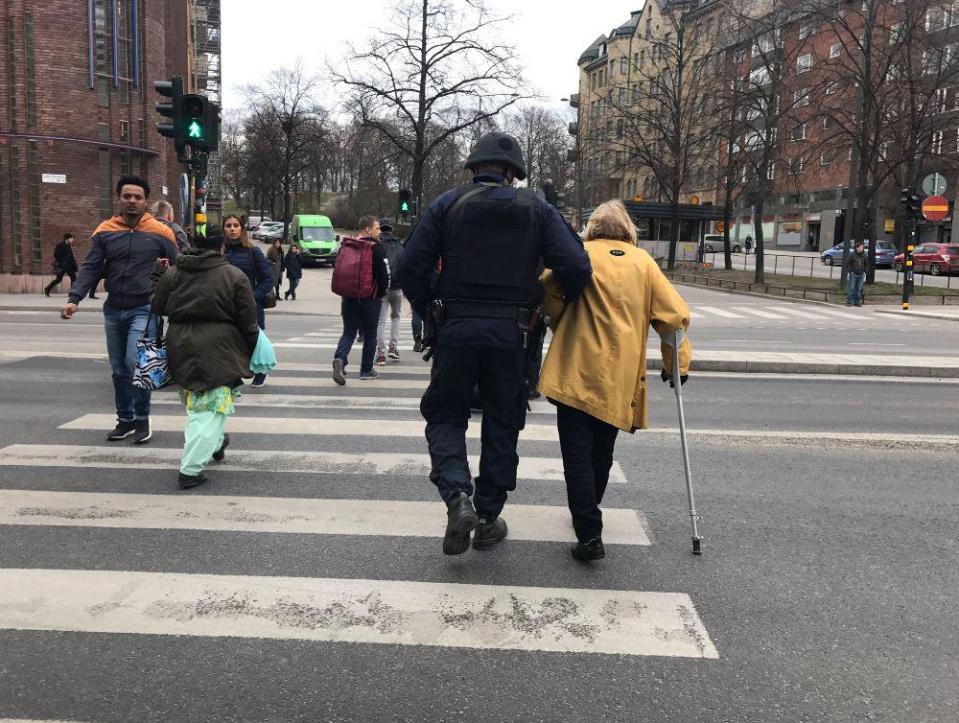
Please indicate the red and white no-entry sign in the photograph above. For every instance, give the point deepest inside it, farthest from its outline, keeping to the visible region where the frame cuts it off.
(935, 208)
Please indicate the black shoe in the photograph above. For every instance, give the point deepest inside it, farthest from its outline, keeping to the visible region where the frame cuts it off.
(590, 550)
(338, 376)
(122, 431)
(461, 520)
(221, 452)
(534, 394)
(143, 431)
(489, 533)
(418, 346)
(91, 296)
(259, 380)
(190, 480)
(46, 291)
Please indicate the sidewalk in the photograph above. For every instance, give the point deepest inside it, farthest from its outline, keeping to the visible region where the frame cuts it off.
(942, 313)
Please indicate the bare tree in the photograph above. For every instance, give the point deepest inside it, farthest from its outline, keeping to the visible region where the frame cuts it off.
(433, 72)
(543, 135)
(665, 116)
(286, 110)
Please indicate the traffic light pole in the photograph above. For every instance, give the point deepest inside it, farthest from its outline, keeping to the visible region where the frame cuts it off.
(907, 278)
(198, 172)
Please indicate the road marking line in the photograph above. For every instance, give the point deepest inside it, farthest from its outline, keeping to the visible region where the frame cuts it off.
(797, 312)
(326, 370)
(292, 462)
(486, 617)
(353, 381)
(719, 312)
(757, 312)
(307, 401)
(372, 517)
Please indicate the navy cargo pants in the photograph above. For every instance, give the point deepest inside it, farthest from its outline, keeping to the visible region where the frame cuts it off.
(501, 376)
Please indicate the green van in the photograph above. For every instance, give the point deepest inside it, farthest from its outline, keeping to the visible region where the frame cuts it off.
(316, 239)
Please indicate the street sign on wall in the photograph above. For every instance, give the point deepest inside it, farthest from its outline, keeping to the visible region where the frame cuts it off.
(935, 208)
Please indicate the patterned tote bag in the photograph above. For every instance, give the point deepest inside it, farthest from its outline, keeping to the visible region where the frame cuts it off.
(152, 370)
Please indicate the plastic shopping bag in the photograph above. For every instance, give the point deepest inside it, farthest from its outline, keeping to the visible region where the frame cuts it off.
(264, 358)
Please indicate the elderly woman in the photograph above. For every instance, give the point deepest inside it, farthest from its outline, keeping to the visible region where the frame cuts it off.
(213, 332)
(595, 371)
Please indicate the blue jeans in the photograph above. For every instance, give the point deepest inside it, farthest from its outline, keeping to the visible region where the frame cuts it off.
(123, 327)
(856, 282)
(359, 315)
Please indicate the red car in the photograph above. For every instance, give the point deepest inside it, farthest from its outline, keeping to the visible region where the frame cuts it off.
(935, 259)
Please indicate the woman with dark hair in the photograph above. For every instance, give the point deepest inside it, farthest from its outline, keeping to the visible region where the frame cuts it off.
(278, 262)
(241, 253)
(212, 335)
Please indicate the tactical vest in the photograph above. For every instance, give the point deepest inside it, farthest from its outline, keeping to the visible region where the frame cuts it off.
(491, 248)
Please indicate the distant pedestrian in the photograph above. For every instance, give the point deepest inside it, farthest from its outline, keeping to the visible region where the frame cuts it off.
(362, 278)
(595, 371)
(213, 332)
(278, 262)
(65, 264)
(124, 251)
(250, 260)
(392, 308)
(856, 266)
(748, 244)
(163, 212)
(294, 271)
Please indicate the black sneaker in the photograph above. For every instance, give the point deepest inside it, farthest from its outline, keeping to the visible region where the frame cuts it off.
(461, 519)
(122, 431)
(418, 346)
(191, 480)
(370, 375)
(590, 550)
(143, 431)
(338, 375)
(489, 533)
(259, 380)
(221, 452)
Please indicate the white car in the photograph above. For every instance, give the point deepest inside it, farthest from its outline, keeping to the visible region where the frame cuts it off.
(714, 243)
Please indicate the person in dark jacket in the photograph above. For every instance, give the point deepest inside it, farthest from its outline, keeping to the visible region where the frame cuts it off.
(275, 257)
(491, 238)
(363, 315)
(65, 264)
(392, 308)
(856, 266)
(163, 212)
(250, 260)
(124, 251)
(294, 271)
(212, 335)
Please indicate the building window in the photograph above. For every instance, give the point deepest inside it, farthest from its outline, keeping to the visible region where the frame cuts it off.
(796, 165)
(835, 50)
(771, 172)
(101, 53)
(623, 66)
(806, 29)
(803, 63)
(799, 132)
(36, 240)
(831, 87)
(801, 98)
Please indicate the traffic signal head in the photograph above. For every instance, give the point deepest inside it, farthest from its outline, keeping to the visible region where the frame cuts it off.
(172, 89)
(911, 203)
(405, 202)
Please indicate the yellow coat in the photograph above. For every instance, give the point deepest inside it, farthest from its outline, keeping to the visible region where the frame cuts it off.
(597, 360)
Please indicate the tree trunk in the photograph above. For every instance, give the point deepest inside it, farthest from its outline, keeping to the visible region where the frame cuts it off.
(760, 277)
(673, 229)
(727, 223)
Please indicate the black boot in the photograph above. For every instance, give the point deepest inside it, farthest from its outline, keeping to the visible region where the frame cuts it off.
(461, 520)
(489, 533)
(590, 550)
(221, 452)
(191, 480)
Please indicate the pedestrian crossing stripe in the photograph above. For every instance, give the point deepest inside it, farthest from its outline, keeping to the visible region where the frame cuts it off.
(367, 518)
(353, 379)
(485, 617)
(287, 462)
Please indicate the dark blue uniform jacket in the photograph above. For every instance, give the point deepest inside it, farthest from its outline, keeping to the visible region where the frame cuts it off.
(563, 252)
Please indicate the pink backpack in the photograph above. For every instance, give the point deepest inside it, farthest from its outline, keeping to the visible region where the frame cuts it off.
(353, 272)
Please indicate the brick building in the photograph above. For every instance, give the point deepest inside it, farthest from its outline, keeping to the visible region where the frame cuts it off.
(76, 112)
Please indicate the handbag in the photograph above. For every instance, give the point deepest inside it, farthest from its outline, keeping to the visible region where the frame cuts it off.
(152, 368)
(269, 301)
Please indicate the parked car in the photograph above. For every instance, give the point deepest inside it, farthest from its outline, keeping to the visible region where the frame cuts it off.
(885, 254)
(266, 227)
(271, 234)
(935, 259)
(714, 242)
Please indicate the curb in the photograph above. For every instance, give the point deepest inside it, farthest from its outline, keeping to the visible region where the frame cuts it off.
(923, 314)
(735, 366)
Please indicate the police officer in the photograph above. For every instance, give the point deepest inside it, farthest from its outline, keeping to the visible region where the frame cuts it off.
(490, 239)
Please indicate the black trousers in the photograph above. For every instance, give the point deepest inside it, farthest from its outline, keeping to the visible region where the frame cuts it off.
(500, 374)
(587, 445)
(59, 278)
(359, 315)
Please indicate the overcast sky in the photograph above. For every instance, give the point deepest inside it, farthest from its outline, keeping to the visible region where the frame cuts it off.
(259, 36)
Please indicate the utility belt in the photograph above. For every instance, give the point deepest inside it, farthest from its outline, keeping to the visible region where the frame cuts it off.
(530, 319)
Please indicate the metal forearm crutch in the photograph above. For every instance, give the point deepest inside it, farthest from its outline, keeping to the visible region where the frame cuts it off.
(676, 340)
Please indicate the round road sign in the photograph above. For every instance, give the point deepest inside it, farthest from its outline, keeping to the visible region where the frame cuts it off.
(934, 184)
(935, 208)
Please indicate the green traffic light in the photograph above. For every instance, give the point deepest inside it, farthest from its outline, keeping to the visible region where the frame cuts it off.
(404, 207)
(194, 130)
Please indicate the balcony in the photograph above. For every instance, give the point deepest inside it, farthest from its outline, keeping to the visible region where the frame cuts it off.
(574, 100)
(574, 128)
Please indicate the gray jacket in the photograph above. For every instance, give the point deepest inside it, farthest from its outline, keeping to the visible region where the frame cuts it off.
(857, 263)
(393, 248)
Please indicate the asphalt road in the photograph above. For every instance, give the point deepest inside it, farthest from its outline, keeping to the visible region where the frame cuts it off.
(826, 591)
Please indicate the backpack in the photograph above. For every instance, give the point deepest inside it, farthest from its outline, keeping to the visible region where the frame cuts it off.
(353, 272)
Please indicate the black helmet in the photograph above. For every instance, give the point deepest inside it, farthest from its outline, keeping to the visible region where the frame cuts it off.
(498, 148)
(386, 224)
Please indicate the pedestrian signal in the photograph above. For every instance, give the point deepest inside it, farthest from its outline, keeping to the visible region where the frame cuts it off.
(405, 202)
